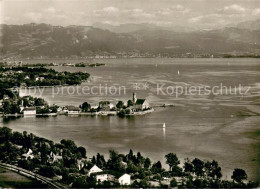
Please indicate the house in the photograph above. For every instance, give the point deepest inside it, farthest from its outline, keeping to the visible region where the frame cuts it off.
(94, 169)
(81, 164)
(95, 107)
(28, 155)
(29, 111)
(105, 177)
(6, 97)
(104, 106)
(125, 179)
(26, 77)
(111, 106)
(72, 110)
(154, 183)
(39, 78)
(54, 158)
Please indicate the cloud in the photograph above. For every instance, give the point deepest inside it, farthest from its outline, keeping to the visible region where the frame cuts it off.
(51, 10)
(107, 11)
(34, 16)
(234, 9)
(173, 10)
(110, 9)
(137, 13)
(256, 12)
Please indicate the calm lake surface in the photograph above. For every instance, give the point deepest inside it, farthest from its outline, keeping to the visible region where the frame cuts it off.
(203, 126)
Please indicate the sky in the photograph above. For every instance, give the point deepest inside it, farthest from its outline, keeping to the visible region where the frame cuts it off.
(201, 14)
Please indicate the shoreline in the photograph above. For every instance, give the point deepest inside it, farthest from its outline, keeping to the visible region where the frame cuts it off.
(101, 113)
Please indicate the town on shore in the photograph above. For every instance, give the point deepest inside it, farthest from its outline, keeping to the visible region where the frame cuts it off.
(65, 165)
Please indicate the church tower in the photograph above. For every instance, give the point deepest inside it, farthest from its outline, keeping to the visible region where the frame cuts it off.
(134, 98)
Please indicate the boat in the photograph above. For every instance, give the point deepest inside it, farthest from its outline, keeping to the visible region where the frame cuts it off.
(164, 125)
(178, 72)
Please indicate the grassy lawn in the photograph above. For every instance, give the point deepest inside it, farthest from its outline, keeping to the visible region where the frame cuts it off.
(9, 179)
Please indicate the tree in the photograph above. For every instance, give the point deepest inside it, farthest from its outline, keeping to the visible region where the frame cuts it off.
(198, 167)
(101, 162)
(120, 104)
(82, 151)
(156, 167)
(239, 175)
(17, 138)
(130, 154)
(114, 162)
(54, 109)
(70, 145)
(173, 183)
(47, 171)
(147, 163)
(39, 102)
(130, 103)
(85, 107)
(140, 158)
(213, 170)
(188, 166)
(172, 160)
(5, 134)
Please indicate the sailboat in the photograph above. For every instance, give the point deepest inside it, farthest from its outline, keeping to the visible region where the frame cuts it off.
(164, 125)
(178, 72)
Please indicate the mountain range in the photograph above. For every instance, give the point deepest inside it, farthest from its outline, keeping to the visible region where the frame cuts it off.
(34, 40)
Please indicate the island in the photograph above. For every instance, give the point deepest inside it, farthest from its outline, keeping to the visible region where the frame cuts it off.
(12, 104)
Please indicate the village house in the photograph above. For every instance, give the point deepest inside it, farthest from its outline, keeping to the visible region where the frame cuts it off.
(6, 97)
(81, 164)
(72, 110)
(94, 169)
(54, 158)
(39, 78)
(125, 179)
(101, 177)
(95, 107)
(29, 111)
(28, 155)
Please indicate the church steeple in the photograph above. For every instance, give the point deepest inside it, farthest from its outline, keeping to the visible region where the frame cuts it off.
(134, 98)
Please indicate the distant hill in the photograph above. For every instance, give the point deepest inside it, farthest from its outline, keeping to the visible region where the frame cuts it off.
(34, 40)
(250, 25)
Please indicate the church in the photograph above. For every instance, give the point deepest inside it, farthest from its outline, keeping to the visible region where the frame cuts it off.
(140, 104)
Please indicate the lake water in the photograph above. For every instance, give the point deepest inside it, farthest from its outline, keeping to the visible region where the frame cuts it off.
(203, 126)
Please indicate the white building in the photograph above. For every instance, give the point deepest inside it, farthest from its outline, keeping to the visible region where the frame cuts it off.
(94, 169)
(105, 177)
(125, 179)
(39, 78)
(72, 110)
(81, 164)
(29, 111)
(28, 155)
(54, 158)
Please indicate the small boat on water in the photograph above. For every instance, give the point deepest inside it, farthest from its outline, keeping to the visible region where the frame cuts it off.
(164, 125)
(178, 72)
